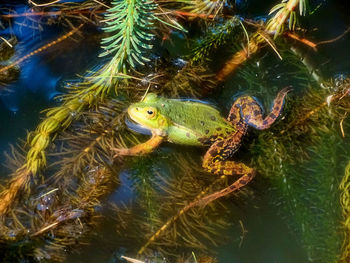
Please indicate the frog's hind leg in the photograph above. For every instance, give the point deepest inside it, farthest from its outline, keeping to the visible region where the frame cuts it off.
(229, 168)
(247, 110)
(215, 162)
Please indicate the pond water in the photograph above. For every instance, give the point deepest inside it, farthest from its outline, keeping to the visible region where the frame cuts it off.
(253, 226)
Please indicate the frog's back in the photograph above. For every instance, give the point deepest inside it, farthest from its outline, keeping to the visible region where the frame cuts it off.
(194, 123)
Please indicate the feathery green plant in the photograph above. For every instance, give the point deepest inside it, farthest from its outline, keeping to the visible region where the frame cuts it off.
(161, 227)
(304, 163)
(345, 203)
(203, 7)
(285, 11)
(87, 154)
(302, 155)
(215, 37)
(128, 18)
(131, 22)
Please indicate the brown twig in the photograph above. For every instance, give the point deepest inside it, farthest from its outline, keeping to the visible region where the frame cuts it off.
(341, 125)
(302, 40)
(312, 44)
(330, 99)
(60, 216)
(334, 39)
(46, 4)
(132, 260)
(237, 59)
(58, 40)
(8, 196)
(101, 3)
(51, 13)
(183, 13)
(6, 41)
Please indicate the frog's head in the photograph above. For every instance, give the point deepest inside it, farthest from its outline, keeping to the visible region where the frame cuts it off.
(147, 113)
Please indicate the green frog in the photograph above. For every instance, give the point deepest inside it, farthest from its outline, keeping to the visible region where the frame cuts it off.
(196, 123)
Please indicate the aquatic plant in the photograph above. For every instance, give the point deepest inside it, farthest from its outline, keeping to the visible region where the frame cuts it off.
(315, 139)
(344, 187)
(168, 190)
(217, 36)
(206, 8)
(303, 161)
(275, 26)
(75, 138)
(131, 21)
(285, 11)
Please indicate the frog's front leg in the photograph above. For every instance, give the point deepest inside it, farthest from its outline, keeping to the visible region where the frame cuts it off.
(215, 162)
(140, 149)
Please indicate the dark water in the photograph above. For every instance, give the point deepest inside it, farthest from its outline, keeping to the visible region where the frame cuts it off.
(42, 76)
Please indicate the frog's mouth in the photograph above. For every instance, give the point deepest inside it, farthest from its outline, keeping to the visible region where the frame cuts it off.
(132, 125)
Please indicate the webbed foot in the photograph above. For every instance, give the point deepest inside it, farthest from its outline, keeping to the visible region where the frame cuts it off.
(247, 110)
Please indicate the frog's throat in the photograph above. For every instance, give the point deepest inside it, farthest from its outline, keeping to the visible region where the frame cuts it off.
(154, 131)
(136, 127)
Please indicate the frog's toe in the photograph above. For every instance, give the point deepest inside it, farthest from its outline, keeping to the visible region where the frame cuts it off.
(286, 90)
(119, 152)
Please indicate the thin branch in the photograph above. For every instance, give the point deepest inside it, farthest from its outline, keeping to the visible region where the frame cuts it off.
(41, 49)
(246, 34)
(53, 13)
(103, 4)
(35, 4)
(302, 40)
(7, 42)
(271, 44)
(188, 14)
(334, 39)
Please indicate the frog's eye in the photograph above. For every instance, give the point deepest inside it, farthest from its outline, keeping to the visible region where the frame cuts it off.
(150, 112)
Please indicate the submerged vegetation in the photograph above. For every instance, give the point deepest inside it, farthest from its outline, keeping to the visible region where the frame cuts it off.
(63, 174)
